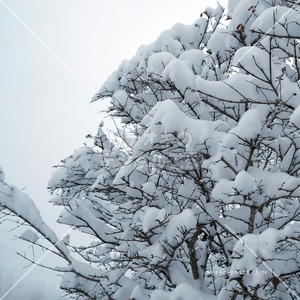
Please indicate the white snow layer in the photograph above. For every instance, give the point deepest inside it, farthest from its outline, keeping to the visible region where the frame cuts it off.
(255, 254)
(30, 236)
(283, 15)
(23, 206)
(182, 291)
(193, 133)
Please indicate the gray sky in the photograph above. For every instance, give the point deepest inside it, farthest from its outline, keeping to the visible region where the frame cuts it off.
(54, 57)
(55, 54)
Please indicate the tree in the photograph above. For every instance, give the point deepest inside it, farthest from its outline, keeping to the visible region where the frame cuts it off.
(290, 3)
(197, 195)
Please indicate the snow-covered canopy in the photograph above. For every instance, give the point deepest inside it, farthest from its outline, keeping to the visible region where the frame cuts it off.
(202, 198)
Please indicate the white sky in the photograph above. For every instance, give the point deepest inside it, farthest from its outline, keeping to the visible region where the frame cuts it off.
(44, 107)
(54, 56)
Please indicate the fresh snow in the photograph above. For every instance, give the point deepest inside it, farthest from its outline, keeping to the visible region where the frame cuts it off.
(29, 236)
(197, 194)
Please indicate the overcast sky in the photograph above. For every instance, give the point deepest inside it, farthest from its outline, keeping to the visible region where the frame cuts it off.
(55, 54)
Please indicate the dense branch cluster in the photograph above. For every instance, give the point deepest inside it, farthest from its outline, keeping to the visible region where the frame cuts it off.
(198, 194)
(290, 3)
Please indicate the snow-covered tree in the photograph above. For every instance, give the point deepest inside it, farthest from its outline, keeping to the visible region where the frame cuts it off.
(197, 196)
(290, 3)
